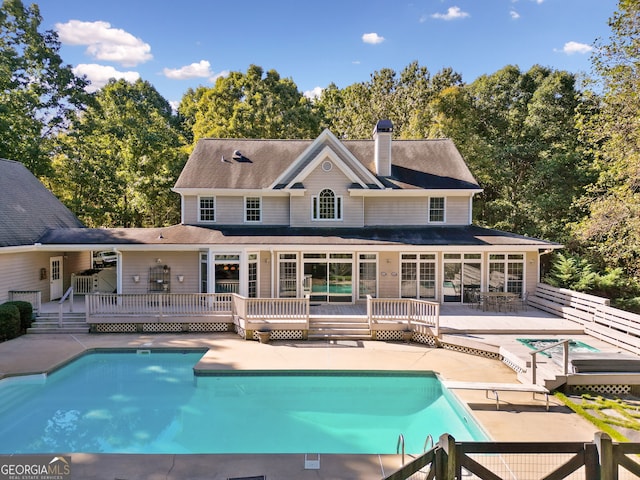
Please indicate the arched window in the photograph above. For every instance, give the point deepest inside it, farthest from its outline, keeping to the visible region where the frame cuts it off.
(327, 206)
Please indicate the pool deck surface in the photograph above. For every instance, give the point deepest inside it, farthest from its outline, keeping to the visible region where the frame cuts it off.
(521, 417)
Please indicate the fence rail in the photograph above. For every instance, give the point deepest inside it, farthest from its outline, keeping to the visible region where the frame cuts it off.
(594, 313)
(601, 459)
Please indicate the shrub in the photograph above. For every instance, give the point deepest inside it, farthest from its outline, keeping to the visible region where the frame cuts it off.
(9, 322)
(26, 313)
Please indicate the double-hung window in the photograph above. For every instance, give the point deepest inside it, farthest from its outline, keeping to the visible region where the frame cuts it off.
(327, 206)
(207, 209)
(252, 209)
(436, 209)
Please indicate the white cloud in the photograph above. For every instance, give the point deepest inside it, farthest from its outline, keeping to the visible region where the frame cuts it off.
(202, 69)
(99, 75)
(314, 93)
(104, 42)
(372, 38)
(514, 15)
(574, 47)
(453, 13)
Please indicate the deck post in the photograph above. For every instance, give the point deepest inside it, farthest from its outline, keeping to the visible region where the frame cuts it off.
(605, 455)
(446, 462)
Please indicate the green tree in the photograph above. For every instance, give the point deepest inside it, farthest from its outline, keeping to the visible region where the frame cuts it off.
(405, 99)
(37, 91)
(611, 230)
(517, 132)
(120, 159)
(251, 105)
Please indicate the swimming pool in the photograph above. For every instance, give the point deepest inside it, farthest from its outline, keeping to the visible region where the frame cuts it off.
(153, 403)
(575, 346)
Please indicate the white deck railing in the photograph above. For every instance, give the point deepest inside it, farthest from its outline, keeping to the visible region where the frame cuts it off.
(405, 311)
(34, 297)
(266, 311)
(157, 305)
(83, 284)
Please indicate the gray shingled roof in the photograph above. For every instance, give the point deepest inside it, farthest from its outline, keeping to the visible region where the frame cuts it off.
(430, 164)
(282, 235)
(27, 208)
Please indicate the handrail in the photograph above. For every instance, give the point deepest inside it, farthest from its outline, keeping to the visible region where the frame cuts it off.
(400, 443)
(426, 440)
(68, 294)
(565, 358)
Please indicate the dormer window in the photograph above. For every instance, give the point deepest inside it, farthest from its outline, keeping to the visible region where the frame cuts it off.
(326, 206)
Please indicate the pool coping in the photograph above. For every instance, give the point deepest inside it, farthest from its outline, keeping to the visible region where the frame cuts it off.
(522, 419)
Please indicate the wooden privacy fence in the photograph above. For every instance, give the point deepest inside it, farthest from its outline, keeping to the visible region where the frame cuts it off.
(594, 313)
(601, 459)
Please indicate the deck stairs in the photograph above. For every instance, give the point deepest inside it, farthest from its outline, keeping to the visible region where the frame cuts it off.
(71, 323)
(339, 327)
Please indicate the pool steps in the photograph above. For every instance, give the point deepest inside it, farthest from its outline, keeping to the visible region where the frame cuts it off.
(337, 327)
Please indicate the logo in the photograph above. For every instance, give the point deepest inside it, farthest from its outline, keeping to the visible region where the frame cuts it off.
(35, 467)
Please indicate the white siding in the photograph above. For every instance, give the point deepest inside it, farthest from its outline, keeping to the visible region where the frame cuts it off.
(412, 211)
(395, 211)
(229, 210)
(457, 212)
(275, 210)
(181, 263)
(21, 271)
(315, 182)
(190, 210)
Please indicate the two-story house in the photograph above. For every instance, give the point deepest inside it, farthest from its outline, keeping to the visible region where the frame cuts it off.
(338, 220)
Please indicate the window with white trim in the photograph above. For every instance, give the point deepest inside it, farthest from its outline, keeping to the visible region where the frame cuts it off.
(326, 206)
(436, 209)
(207, 209)
(506, 272)
(252, 209)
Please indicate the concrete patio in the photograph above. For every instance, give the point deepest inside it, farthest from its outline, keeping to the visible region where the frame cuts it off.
(521, 419)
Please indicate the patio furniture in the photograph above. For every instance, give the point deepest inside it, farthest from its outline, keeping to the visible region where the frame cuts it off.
(497, 301)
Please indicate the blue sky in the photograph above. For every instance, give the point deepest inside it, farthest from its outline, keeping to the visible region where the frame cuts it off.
(176, 45)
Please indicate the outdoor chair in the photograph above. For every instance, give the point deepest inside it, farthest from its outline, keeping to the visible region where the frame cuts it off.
(523, 300)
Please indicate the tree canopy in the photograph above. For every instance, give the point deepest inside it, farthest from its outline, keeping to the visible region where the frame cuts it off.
(250, 105)
(37, 91)
(120, 158)
(611, 129)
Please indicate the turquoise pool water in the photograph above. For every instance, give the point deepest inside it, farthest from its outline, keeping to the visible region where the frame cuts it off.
(153, 403)
(575, 346)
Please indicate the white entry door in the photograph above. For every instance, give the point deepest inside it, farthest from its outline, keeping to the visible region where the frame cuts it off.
(55, 278)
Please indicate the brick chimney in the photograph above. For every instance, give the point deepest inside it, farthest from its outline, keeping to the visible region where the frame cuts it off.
(382, 138)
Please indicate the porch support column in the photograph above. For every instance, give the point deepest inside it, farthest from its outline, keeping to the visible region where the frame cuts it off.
(243, 288)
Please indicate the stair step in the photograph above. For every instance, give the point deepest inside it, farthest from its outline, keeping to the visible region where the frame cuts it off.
(56, 329)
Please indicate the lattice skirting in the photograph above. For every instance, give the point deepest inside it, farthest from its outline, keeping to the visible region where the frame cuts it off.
(604, 389)
(114, 328)
(398, 336)
(281, 335)
(512, 365)
(159, 327)
(472, 351)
